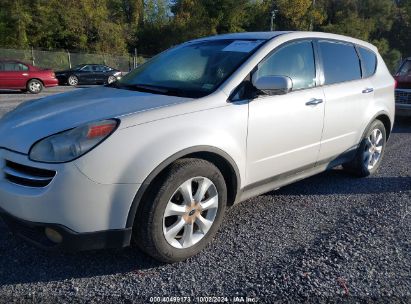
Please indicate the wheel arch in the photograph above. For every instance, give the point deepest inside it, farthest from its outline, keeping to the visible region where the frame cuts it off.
(34, 78)
(218, 157)
(385, 119)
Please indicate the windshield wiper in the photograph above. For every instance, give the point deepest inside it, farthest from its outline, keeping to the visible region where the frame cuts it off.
(149, 88)
(157, 90)
(138, 87)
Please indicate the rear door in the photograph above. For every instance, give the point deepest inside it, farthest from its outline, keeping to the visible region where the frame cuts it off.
(99, 73)
(347, 95)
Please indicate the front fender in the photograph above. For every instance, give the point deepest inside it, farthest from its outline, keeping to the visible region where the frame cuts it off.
(132, 153)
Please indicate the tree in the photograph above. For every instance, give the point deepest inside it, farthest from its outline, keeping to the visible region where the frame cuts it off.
(298, 14)
(118, 26)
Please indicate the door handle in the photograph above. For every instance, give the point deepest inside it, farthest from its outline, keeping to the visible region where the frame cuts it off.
(368, 90)
(25, 74)
(314, 102)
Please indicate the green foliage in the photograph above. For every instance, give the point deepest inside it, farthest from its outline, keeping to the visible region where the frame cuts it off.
(119, 26)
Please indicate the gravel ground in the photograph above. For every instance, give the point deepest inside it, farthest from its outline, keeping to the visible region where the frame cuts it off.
(10, 99)
(329, 237)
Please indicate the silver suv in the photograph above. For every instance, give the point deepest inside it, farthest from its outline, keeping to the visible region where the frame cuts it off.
(155, 158)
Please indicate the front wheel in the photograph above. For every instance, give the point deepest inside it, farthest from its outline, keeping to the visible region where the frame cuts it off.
(182, 212)
(72, 80)
(370, 151)
(34, 86)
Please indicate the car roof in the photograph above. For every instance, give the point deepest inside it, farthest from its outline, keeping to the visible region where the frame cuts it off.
(295, 34)
(246, 35)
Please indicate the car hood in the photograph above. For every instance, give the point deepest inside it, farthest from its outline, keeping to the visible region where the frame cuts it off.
(36, 119)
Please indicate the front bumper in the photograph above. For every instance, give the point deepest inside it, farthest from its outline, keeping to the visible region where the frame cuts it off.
(71, 241)
(67, 197)
(61, 79)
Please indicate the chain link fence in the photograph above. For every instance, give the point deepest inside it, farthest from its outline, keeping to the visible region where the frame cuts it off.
(60, 60)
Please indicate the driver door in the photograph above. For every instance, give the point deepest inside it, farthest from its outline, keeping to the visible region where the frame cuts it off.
(86, 74)
(284, 131)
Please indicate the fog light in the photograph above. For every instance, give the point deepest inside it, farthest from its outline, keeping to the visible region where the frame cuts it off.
(53, 235)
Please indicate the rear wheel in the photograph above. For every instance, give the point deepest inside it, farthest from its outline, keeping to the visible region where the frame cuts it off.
(183, 212)
(370, 152)
(72, 80)
(34, 86)
(111, 79)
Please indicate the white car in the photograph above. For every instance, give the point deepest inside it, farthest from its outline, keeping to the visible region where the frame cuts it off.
(155, 158)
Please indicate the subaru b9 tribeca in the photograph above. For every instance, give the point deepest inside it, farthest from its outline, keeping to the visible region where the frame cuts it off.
(155, 158)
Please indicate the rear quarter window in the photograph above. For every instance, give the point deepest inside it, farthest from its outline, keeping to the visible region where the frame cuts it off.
(369, 62)
(340, 62)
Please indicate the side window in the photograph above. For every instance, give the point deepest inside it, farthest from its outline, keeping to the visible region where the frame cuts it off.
(22, 67)
(99, 68)
(295, 61)
(87, 68)
(10, 66)
(369, 61)
(340, 62)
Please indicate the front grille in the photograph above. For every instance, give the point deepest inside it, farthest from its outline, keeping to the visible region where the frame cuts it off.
(27, 176)
(403, 97)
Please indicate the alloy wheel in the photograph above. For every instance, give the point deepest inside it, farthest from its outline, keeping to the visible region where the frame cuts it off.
(373, 148)
(111, 79)
(35, 86)
(73, 81)
(190, 212)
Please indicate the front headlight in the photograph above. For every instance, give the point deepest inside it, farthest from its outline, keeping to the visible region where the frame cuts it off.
(73, 143)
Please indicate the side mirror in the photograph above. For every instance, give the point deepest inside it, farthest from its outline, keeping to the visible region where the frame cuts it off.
(273, 85)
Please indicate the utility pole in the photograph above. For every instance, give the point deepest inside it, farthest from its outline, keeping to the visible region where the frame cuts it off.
(312, 18)
(273, 14)
(33, 61)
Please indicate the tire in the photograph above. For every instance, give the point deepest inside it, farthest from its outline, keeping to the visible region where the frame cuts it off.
(72, 80)
(111, 79)
(152, 230)
(370, 151)
(34, 86)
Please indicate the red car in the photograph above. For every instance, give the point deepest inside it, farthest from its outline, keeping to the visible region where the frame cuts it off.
(18, 75)
(403, 89)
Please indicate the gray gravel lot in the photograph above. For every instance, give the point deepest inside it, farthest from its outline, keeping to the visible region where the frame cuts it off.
(10, 99)
(330, 237)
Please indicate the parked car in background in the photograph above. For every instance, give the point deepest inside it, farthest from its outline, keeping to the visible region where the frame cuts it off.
(156, 157)
(403, 89)
(88, 74)
(17, 75)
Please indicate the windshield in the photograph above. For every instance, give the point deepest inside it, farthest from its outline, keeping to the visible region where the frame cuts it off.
(195, 69)
(78, 67)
